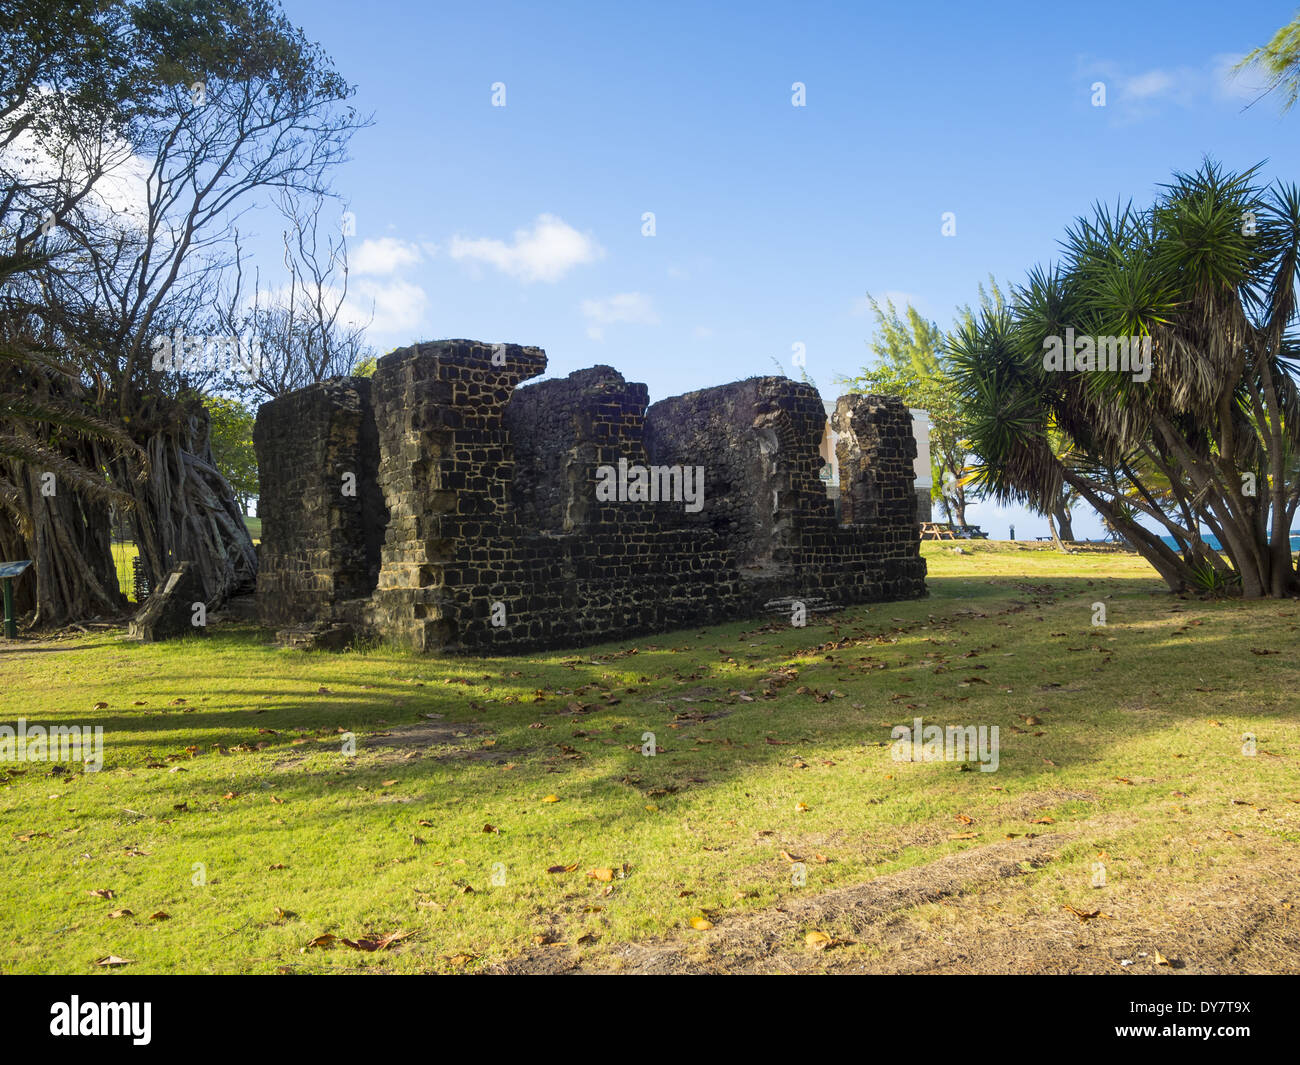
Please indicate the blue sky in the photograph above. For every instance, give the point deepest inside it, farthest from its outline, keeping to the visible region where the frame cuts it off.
(524, 223)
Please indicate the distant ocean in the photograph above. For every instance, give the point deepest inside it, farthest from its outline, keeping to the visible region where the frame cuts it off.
(1213, 541)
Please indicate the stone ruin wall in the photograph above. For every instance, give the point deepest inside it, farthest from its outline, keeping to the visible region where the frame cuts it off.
(469, 490)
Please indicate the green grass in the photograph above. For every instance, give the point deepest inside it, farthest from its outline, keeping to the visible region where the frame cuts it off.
(124, 554)
(224, 755)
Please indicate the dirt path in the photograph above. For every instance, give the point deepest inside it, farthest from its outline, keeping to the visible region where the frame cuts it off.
(976, 912)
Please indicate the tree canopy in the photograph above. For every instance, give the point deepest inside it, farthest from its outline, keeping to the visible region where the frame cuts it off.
(1204, 436)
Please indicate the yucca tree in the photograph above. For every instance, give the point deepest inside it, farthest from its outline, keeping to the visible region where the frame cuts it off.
(1211, 440)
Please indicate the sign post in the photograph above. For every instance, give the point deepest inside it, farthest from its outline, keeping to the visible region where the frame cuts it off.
(8, 571)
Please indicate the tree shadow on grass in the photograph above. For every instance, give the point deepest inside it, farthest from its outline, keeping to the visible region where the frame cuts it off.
(1086, 686)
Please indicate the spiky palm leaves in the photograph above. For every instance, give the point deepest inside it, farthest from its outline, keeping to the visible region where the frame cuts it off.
(1208, 273)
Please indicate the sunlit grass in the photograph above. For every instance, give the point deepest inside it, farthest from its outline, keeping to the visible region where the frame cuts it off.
(227, 800)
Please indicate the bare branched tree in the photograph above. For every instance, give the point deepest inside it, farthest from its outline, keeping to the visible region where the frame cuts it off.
(179, 119)
(304, 331)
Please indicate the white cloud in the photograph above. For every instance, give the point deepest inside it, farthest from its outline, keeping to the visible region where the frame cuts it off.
(398, 306)
(630, 308)
(702, 332)
(383, 309)
(1143, 93)
(546, 252)
(387, 255)
(1151, 83)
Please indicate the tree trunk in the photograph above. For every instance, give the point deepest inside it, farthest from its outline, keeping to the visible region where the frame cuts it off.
(1063, 521)
(1173, 569)
(186, 511)
(73, 576)
(947, 506)
(1051, 526)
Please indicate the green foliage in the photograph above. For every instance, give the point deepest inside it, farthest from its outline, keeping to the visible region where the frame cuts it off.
(1281, 59)
(231, 429)
(1212, 581)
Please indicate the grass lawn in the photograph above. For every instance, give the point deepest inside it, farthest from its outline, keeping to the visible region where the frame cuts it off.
(499, 813)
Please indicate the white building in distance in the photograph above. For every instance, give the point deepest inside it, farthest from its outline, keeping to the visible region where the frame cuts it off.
(924, 477)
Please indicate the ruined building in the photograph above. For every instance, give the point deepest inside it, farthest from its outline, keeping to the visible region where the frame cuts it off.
(441, 506)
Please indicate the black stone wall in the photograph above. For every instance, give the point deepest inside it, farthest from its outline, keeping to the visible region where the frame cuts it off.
(321, 529)
(493, 535)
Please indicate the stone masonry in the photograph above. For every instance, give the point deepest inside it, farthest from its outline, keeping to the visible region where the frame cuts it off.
(442, 506)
